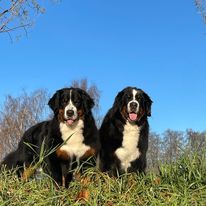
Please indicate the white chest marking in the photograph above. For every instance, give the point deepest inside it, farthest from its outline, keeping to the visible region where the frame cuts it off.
(73, 136)
(129, 150)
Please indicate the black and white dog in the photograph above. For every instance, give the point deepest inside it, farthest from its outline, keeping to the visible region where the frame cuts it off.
(72, 131)
(124, 133)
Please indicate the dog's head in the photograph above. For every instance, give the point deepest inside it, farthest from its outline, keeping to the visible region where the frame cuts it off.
(71, 104)
(133, 104)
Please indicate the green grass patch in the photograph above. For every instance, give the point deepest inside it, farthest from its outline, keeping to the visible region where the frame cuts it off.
(179, 183)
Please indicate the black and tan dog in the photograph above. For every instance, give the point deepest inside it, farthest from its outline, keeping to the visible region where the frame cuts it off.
(124, 133)
(72, 130)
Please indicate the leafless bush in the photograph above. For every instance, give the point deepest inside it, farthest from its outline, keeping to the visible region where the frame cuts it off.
(17, 115)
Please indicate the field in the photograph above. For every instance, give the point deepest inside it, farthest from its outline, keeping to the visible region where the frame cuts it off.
(180, 183)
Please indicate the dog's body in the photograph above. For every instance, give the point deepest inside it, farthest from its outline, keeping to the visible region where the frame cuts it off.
(124, 133)
(72, 133)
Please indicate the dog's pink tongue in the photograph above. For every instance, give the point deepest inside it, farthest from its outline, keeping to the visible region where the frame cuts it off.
(133, 116)
(70, 121)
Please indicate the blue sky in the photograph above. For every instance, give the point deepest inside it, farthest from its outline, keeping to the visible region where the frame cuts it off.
(158, 46)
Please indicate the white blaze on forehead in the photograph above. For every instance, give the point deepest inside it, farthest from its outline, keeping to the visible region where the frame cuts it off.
(134, 92)
(70, 106)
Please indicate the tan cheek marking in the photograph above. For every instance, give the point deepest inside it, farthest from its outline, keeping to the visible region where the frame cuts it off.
(61, 115)
(89, 153)
(62, 154)
(80, 114)
(124, 112)
(141, 113)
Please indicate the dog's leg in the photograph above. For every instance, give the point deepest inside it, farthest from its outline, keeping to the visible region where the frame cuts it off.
(67, 173)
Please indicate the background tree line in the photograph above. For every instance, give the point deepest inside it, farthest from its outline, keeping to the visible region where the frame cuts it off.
(171, 145)
(19, 113)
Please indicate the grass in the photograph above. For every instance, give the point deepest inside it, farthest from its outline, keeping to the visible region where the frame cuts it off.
(179, 183)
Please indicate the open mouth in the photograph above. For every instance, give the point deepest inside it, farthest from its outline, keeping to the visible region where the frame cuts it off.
(70, 121)
(70, 117)
(133, 116)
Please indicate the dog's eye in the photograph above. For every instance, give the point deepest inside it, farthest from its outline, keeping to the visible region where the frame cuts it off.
(129, 96)
(76, 101)
(138, 97)
(65, 100)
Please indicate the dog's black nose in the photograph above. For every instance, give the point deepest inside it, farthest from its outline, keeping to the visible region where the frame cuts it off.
(70, 113)
(133, 105)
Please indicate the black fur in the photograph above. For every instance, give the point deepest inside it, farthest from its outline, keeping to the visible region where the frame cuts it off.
(49, 132)
(112, 128)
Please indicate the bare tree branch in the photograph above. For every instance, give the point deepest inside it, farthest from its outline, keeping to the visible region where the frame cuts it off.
(201, 6)
(14, 28)
(19, 15)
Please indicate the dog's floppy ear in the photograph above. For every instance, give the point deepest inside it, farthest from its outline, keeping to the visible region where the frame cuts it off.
(147, 104)
(88, 102)
(54, 102)
(118, 101)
